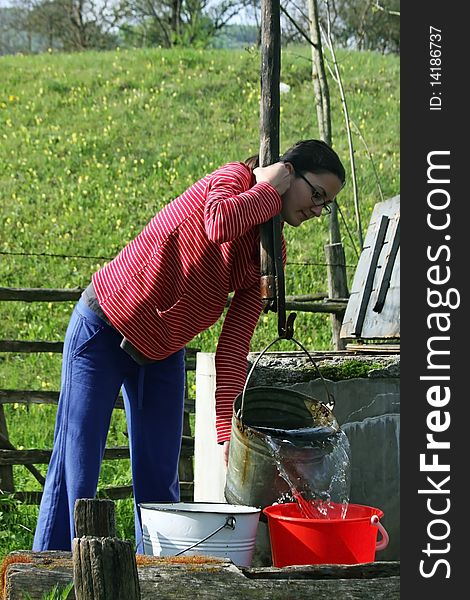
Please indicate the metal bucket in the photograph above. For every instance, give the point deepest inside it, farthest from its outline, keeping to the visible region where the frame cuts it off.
(252, 474)
(200, 528)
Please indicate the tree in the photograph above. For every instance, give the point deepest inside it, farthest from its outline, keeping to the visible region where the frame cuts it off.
(173, 22)
(13, 35)
(69, 24)
(359, 24)
(368, 24)
(47, 20)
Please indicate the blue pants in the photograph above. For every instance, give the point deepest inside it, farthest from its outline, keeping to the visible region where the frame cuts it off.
(94, 369)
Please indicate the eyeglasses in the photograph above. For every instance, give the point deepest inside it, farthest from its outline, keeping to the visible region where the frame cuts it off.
(316, 195)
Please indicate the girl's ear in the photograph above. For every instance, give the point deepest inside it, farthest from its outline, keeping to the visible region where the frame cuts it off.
(289, 167)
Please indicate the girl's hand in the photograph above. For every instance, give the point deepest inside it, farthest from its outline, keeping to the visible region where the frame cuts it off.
(277, 174)
(226, 450)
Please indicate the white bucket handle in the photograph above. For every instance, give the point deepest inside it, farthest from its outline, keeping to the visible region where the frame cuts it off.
(230, 522)
(383, 543)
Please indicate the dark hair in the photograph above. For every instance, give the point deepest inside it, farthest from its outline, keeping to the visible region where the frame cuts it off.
(252, 161)
(314, 156)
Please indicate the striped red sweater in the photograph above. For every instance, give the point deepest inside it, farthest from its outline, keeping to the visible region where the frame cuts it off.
(172, 281)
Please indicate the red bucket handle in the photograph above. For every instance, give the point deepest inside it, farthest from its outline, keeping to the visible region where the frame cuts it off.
(383, 543)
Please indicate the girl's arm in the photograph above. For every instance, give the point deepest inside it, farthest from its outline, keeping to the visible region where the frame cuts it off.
(231, 355)
(233, 207)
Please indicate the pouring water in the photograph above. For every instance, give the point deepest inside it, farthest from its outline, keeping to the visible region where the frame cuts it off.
(315, 463)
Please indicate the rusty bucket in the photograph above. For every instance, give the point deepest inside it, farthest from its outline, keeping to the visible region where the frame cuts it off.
(252, 474)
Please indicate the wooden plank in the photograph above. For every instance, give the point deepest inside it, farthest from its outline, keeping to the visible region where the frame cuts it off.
(307, 297)
(186, 585)
(112, 493)
(372, 266)
(51, 397)
(30, 346)
(326, 306)
(385, 324)
(389, 265)
(57, 347)
(207, 579)
(61, 295)
(22, 579)
(34, 397)
(43, 456)
(33, 497)
(374, 348)
(361, 571)
(40, 294)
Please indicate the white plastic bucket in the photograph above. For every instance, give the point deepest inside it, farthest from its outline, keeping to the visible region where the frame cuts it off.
(200, 528)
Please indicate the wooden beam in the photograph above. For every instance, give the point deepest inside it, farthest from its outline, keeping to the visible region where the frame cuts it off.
(30, 346)
(112, 493)
(41, 456)
(184, 578)
(360, 571)
(57, 295)
(40, 294)
(52, 397)
(57, 347)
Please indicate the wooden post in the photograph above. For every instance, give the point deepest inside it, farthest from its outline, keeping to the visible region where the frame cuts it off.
(6, 472)
(337, 287)
(94, 517)
(270, 79)
(5, 444)
(269, 134)
(104, 569)
(185, 464)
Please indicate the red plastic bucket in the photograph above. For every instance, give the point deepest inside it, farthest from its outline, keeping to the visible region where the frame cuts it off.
(296, 540)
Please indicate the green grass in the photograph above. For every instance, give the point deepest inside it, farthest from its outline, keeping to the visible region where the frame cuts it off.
(93, 144)
(56, 593)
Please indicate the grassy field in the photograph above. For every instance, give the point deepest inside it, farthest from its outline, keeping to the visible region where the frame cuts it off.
(93, 144)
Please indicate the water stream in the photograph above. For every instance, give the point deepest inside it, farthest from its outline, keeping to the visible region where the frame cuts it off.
(315, 463)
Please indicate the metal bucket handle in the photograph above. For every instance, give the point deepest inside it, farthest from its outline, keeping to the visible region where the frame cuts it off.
(331, 400)
(230, 522)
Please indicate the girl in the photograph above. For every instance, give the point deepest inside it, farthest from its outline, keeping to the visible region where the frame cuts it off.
(133, 321)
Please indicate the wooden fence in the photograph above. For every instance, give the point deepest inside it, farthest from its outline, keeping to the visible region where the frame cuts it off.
(10, 456)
